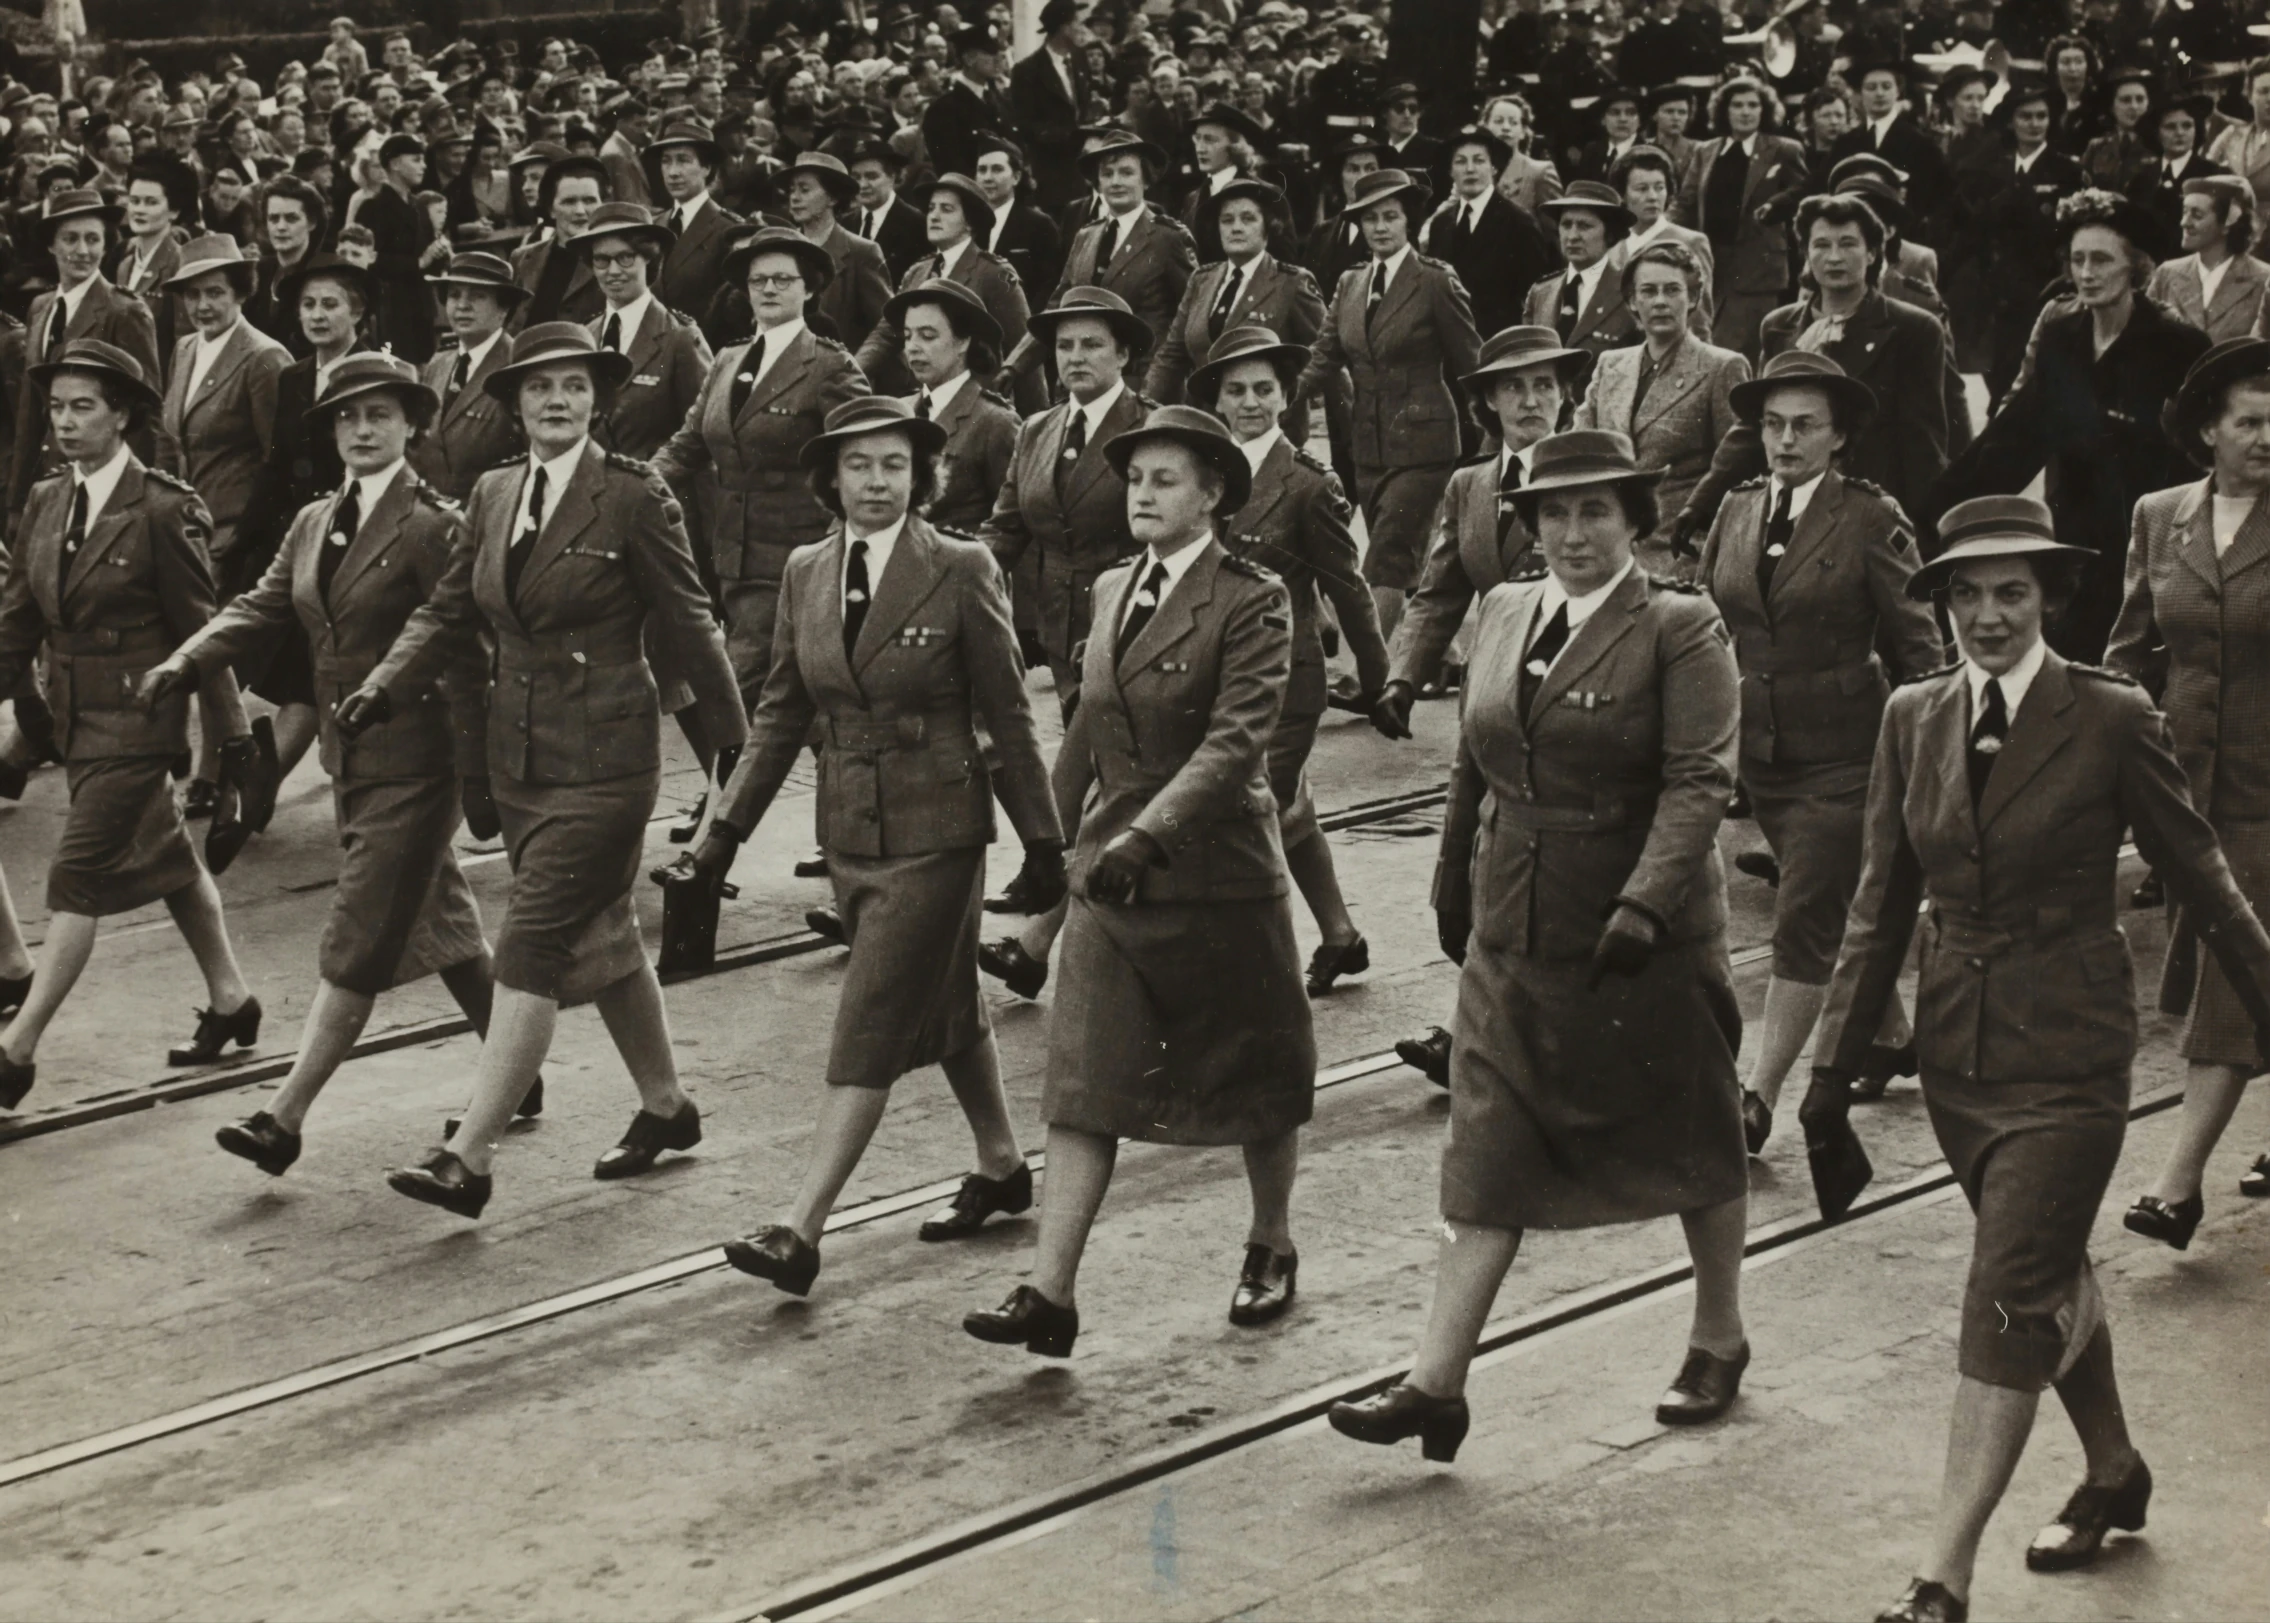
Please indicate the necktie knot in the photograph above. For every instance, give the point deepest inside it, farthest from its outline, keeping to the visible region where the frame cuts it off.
(678, 222)
(611, 337)
(922, 405)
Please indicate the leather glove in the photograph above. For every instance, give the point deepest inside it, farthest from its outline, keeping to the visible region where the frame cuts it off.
(1118, 868)
(361, 710)
(727, 759)
(1828, 1102)
(713, 858)
(1042, 881)
(160, 682)
(1625, 946)
(1391, 711)
(1328, 634)
(1452, 930)
(1684, 529)
(481, 820)
(237, 755)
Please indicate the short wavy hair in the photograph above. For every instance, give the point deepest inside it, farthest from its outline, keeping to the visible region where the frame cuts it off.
(1769, 101)
(1842, 208)
(1677, 255)
(822, 481)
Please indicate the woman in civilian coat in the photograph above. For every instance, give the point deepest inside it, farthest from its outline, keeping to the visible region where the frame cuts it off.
(108, 571)
(1180, 1019)
(733, 461)
(1526, 182)
(1295, 525)
(570, 553)
(2001, 792)
(894, 642)
(1809, 570)
(2196, 622)
(1401, 328)
(354, 566)
(1592, 1069)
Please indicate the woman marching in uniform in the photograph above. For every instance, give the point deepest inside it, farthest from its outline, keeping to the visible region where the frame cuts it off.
(1180, 1019)
(1295, 525)
(949, 340)
(895, 639)
(2001, 792)
(109, 570)
(567, 554)
(1810, 571)
(1592, 1066)
(352, 569)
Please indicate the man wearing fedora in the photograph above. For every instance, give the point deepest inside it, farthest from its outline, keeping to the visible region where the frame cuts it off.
(1583, 303)
(471, 430)
(1048, 94)
(684, 160)
(971, 101)
(814, 188)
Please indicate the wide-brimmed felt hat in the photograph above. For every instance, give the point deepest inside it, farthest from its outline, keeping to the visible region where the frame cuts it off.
(367, 371)
(1866, 163)
(537, 152)
(974, 318)
(1991, 527)
(75, 203)
(871, 414)
(1111, 142)
(473, 268)
(2200, 396)
(1596, 195)
(1499, 149)
(1383, 184)
(1251, 342)
(817, 263)
(1230, 117)
(1809, 370)
(550, 342)
(1961, 78)
(975, 208)
(328, 267)
(1199, 431)
(1101, 303)
(1516, 349)
(93, 355)
(687, 132)
(1249, 188)
(1662, 95)
(623, 220)
(826, 168)
(1356, 141)
(218, 251)
(1580, 457)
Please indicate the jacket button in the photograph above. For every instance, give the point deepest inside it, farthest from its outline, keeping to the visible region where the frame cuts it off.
(1978, 963)
(1972, 853)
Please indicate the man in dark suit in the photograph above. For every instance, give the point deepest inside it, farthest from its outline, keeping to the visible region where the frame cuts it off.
(1618, 112)
(1406, 149)
(1494, 246)
(1890, 131)
(684, 160)
(1047, 92)
(969, 103)
(1021, 233)
(880, 214)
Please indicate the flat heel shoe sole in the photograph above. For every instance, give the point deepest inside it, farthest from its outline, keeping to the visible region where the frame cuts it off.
(432, 1194)
(757, 1265)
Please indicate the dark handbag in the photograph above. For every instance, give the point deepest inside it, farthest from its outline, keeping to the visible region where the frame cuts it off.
(689, 921)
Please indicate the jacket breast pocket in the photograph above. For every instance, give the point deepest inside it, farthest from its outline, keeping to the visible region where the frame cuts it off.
(622, 719)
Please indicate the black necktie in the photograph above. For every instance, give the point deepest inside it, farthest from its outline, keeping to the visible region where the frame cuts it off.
(611, 336)
(1226, 303)
(1542, 653)
(1508, 514)
(1146, 604)
(1646, 382)
(1107, 244)
(855, 596)
(345, 521)
(74, 534)
(937, 268)
(1075, 442)
(1986, 740)
(678, 222)
(922, 405)
(460, 374)
(516, 557)
(1378, 292)
(1778, 528)
(58, 325)
(746, 379)
(867, 224)
(1564, 319)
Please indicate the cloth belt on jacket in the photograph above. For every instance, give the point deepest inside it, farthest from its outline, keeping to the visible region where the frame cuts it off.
(864, 734)
(1606, 813)
(1986, 937)
(607, 644)
(1757, 655)
(148, 637)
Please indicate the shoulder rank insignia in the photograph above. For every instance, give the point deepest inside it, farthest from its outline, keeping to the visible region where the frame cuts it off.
(1671, 583)
(2103, 674)
(1534, 570)
(631, 464)
(1246, 566)
(172, 480)
(1759, 483)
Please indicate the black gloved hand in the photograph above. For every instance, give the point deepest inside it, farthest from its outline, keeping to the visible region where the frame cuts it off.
(1041, 881)
(1391, 711)
(1625, 947)
(160, 682)
(1828, 1104)
(236, 755)
(361, 710)
(1684, 530)
(1452, 930)
(481, 820)
(1118, 868)
(713, 858)
(727, 759)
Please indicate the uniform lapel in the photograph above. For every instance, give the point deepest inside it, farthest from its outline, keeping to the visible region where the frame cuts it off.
(1810, 534)
(375, 534)
(92, 309)
(576, 511)
(1124, 415)
(1945, 742)
(1745, 540)
(1670, 387)
(908, 580)
(1103, 631)
(1607, 298)
(225, 365)
(826, 615)
(499, 353)
(1589, 644)
(1178, 615)
(783, 373)
(106, 528)
(2038, 731)
(646, 343)
(1264, 278)
(1401, 291)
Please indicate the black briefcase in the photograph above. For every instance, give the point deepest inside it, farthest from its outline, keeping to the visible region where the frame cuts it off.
(689, 923)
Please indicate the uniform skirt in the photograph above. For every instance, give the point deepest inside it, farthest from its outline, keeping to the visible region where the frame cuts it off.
(123, 843)
(910, 994)
(1572, 1108)
(402, 909)
(1399, 513)
(1287, 760)
(2220, 1031)
(2034, 1159)
(1814, 820)
(1180, 1023)
(571, 929)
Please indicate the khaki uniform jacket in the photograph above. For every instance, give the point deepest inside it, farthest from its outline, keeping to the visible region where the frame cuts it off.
(169, 312)
(219, 440)
(739, 475)
(670, 362)
(1174, 738)
(2024, 974)
(106, 313)
(1281, 297)
(1689, 409)
(1150, 267)
(571, 699)
(1078, 521)
(472, 432)
(139, 586)
(580, 302)
(1465, 559)
(1604, 322)
(855, 295)
(901, 770)
(1295, 525)
(1612, 789)
(981, 437)
(1404, 363)
(1813, 682)
(397, 558)
(986, 275)
(695, 265)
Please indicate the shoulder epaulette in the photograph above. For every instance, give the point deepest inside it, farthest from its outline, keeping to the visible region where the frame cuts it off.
(173, 479)
(681, 317)
(1671, 583)
(997, 399)
(616, 459)
(434, 498)
(953, 534)
(1533, 570)
(1869, 486)
(2103, 674)
(1759, 483)
(1300, 273)
(1306, 460)
(835, 344)
(506, 462)
(1246, 566)
(1166, 219)
(1430, 259)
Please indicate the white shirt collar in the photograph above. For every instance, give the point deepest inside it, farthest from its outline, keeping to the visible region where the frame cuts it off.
(1580, 608)
(323, 371)
(948, 258)
(1505, 454)
(2025, 160)
(557, 472)
(1640, 239)
(633, 314)
(942, 395)
(78, 296)
(480, 352)
(1879, 127)
(1588, 280)
(375, 485)
(1395, 263)
(1800, 496)
(777, 339)
(1176, 567)
(1095, 410)
(2015, 680)
(2210, 279)
(1221, 177)
(691, 208)
(207, 348)
(1127, 220)
(102, 482)
(879, 547)
(1257, 449)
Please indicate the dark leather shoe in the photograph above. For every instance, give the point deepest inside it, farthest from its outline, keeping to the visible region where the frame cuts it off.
(442, 1180)
(215, 1031)
(1757, 1121)
(256, 796)
(1927, 1601)
(1704, 1389)
(1265, 1285)
(814, 866)
(1030, 1319)
(531, 1106)
(1007, 961)
(825, 923)
(225, 841)
(779, 1254)
(1404, 1411)
(15, 1082)
(979, 1198)
(13, 992)
(2074, 1538)
(199, 797)
(261, 1141)
(646, 1138)
(1759, 865)
(682, 832)
(2171, 1222)
(1013, 898)
(1428, 1055)
(1328, 963)
(2255, 1180)
(1877, 1068)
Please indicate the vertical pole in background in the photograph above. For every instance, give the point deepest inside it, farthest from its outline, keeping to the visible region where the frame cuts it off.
(1024, 28)
(1435, 44)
